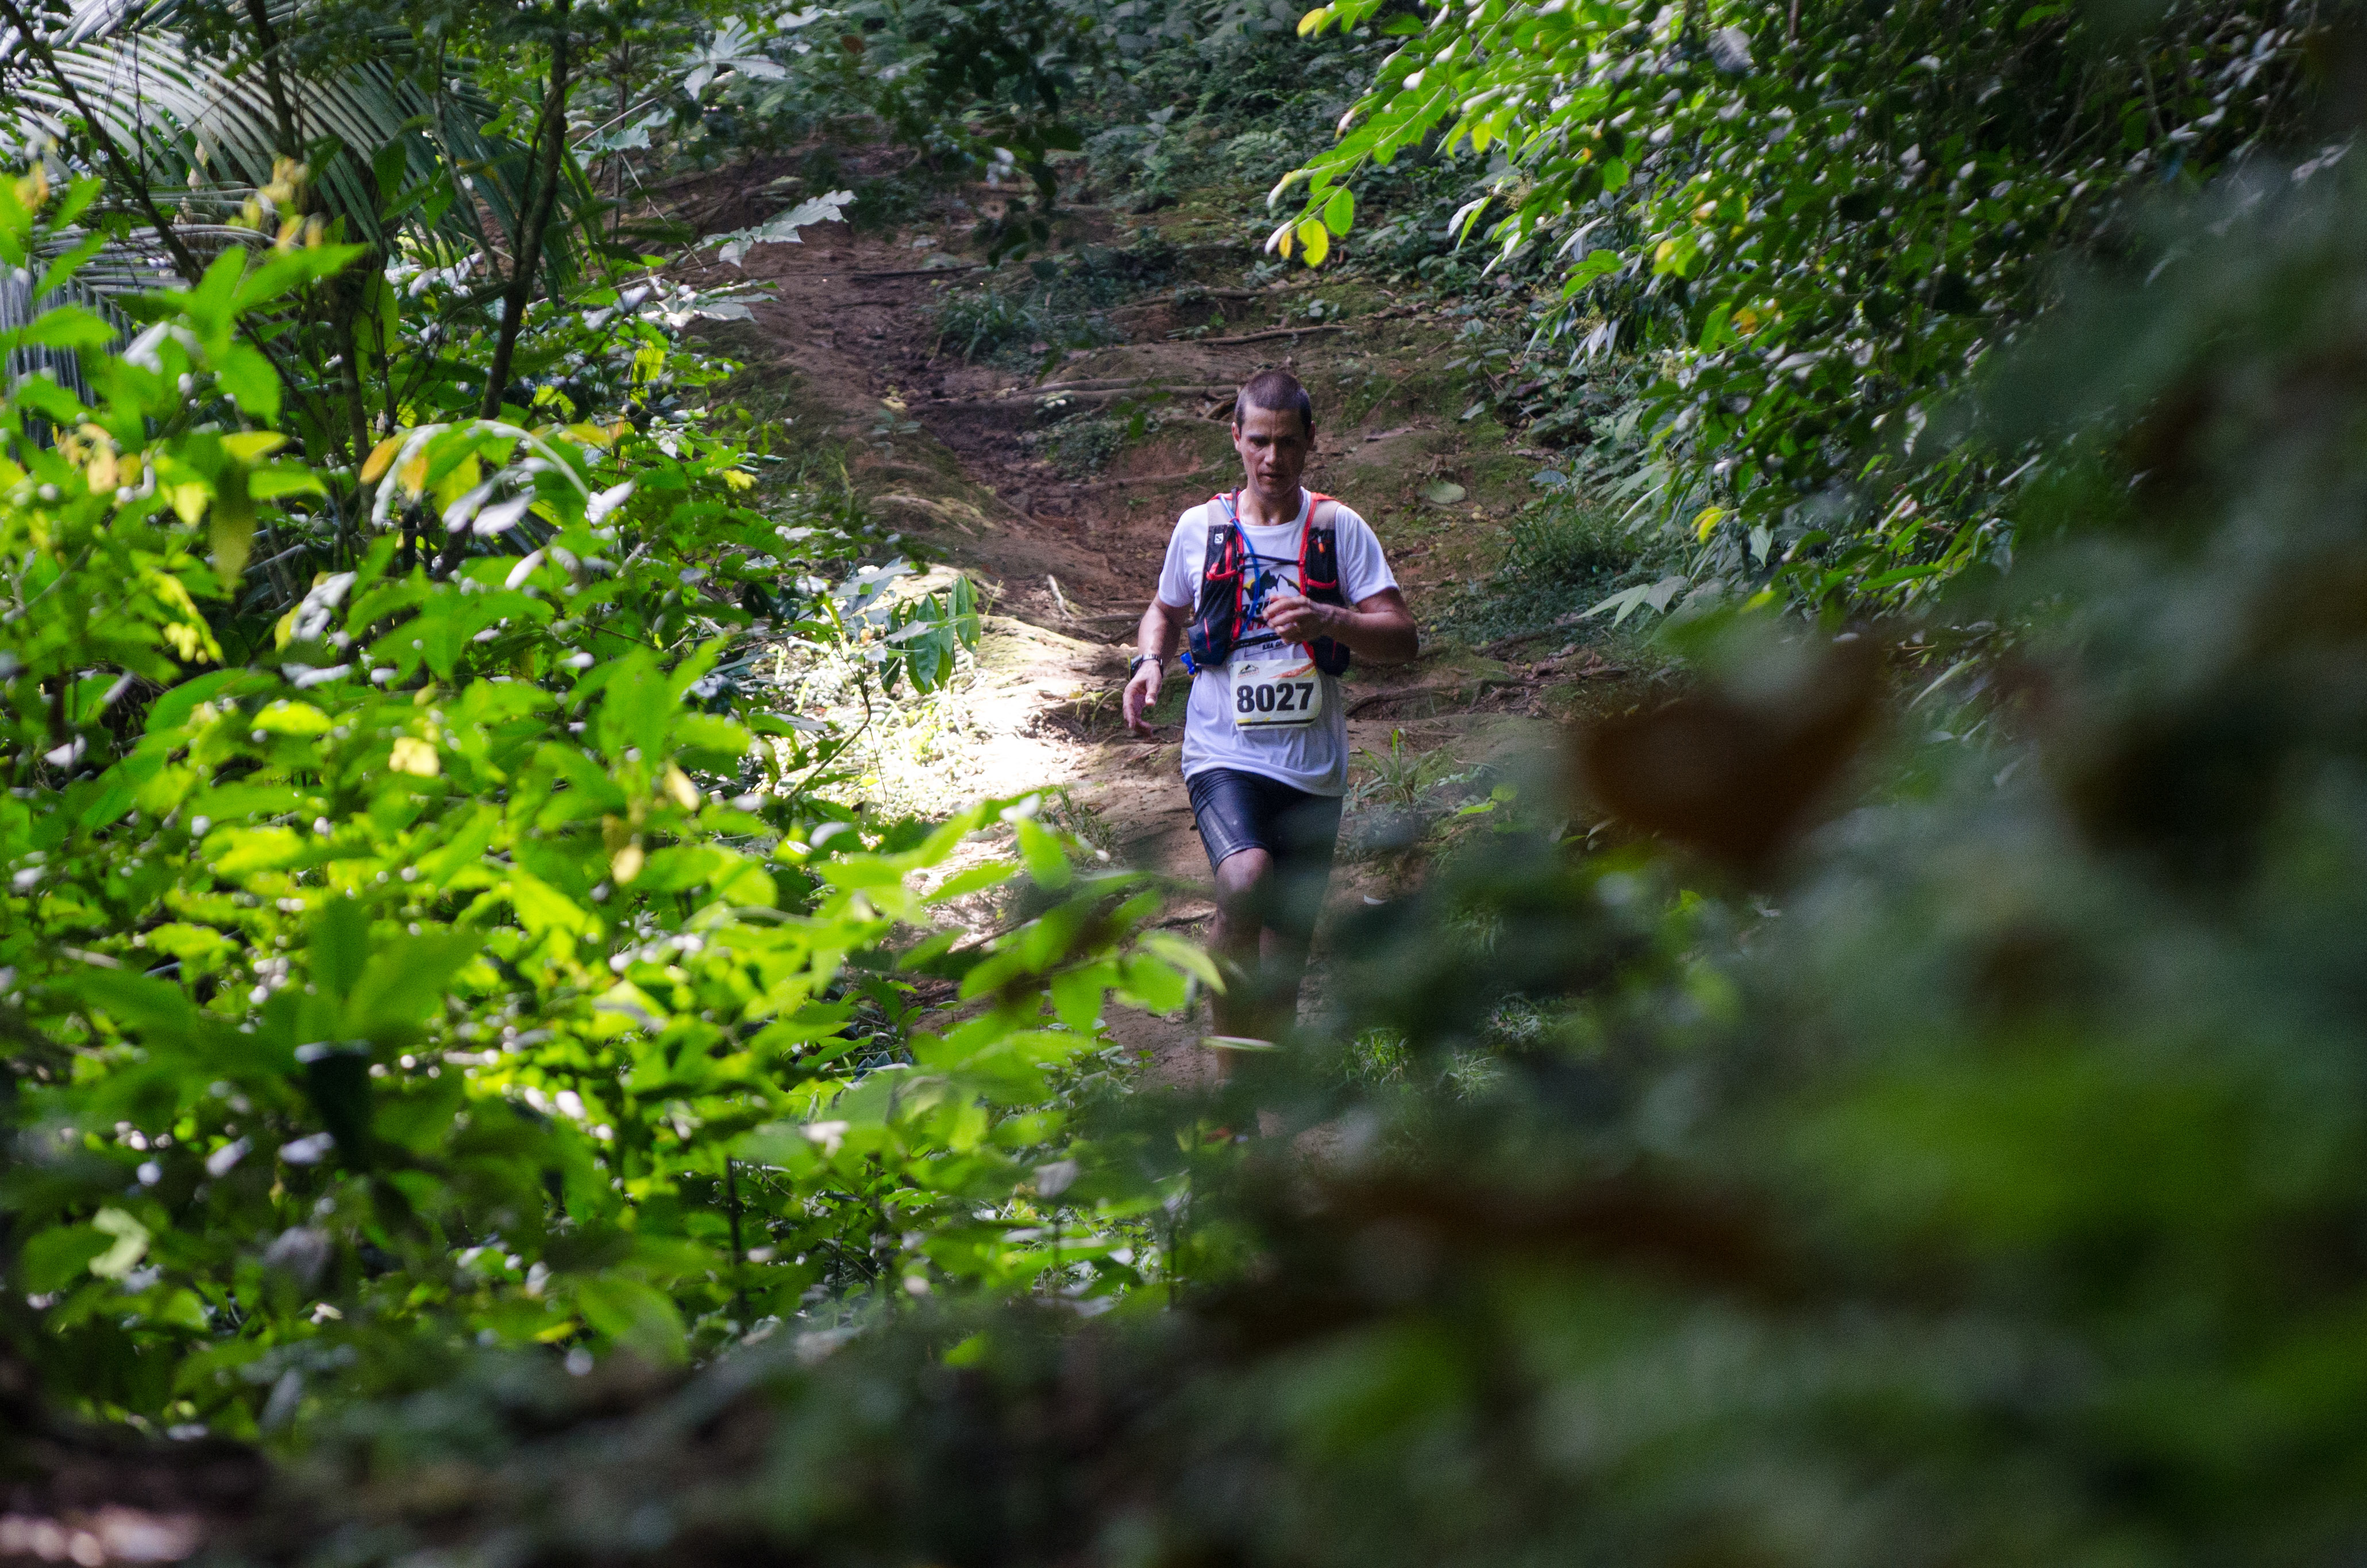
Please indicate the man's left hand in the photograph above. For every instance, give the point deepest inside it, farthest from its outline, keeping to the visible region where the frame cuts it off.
(1298, 619)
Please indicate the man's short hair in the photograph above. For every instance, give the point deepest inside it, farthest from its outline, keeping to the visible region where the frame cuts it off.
(1274, 388)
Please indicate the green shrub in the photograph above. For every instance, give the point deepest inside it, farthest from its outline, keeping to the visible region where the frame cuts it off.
(466, 956)
(1261, 157)
(1563, 554)
(1083, 445)
(1565, 543)
(979, 324)
(1817, 225)
(1026, 323)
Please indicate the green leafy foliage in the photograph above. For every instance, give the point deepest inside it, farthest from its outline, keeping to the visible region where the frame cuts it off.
(1974, 1175)
(1032, 318)
(187, 91)
(1820, 223)
(465, 955)
(983, 88)
(1970, 1179)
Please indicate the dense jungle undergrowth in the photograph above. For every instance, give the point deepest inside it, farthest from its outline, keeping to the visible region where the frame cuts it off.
(588, 976)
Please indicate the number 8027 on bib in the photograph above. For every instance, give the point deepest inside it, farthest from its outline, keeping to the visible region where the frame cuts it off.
(1275, 693)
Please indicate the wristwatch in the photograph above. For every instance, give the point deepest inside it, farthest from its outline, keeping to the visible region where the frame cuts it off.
(1139, 660)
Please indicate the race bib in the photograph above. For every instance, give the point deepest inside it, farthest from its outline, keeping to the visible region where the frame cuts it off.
(1281, 689)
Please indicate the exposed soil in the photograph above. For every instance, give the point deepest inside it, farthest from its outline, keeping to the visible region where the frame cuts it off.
(937, 446)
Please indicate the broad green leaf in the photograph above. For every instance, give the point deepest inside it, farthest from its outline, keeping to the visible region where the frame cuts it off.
(152, 1007)
(1184, 955)
(68, 327)
(635, 1316)
(541, 907)
(246, 850)
(339, 946)
(248, 377)
(291, 718)
(1077, 995)
(407, 979)
(1316, 239)
(127, 1246)
(284, 479)
(54, 1258)
(635, 710)
(1041, 853)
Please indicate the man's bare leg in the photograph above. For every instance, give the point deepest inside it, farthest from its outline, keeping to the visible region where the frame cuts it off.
(1263, 996)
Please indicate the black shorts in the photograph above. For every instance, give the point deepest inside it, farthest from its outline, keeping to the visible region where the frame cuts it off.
(1240, 811)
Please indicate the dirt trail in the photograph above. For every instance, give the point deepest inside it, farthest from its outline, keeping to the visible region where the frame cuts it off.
(937, 447)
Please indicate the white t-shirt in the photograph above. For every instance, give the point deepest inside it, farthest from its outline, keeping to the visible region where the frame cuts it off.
(1313, 757)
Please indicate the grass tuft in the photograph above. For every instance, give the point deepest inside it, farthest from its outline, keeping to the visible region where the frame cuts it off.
(1565, 544)
(1561, 558)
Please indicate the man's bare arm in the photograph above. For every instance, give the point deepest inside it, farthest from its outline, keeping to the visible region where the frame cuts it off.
(1380, 628)
(1160, 634)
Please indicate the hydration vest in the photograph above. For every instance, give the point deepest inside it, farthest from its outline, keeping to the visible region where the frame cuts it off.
(1225, 581)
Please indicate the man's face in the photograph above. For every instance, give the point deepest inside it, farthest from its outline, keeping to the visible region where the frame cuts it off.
(1274, 446)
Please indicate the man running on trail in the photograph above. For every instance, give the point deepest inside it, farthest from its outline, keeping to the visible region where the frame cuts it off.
(1269, 590)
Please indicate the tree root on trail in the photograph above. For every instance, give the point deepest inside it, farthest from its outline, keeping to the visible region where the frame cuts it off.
(1016, 397)
(1116, 383)
(1118, 394)
(1262, 337)
(923, 271)
(1144, 479)
(1188, 296)
(1477, 689)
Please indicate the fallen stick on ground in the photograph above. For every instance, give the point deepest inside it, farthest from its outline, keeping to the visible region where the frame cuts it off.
(1477, 688)
(1114, 394)
(1177, 297)
(1261, 336)
(1141, 479)
(919, 271)
(1402, 692)
(1113, 383)
(1120, 394)
(1133, 388)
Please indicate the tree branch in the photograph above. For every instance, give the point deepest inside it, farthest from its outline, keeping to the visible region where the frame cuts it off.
(551, 134)
(291, 142)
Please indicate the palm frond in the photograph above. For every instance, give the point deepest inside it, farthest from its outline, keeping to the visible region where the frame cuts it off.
(205, 137)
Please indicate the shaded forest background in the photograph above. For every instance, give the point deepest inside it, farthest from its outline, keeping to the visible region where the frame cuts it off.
(490, 1080)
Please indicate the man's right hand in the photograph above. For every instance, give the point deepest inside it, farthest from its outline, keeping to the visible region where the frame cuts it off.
(1141, 693)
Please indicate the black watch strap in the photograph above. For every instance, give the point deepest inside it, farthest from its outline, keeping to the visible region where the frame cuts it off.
(1136, 663)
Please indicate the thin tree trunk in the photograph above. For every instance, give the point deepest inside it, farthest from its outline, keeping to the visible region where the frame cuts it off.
(616, 159)
(551, 135)
(266, 38)
(549, 147)
(739, 1274)
(346, 305)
